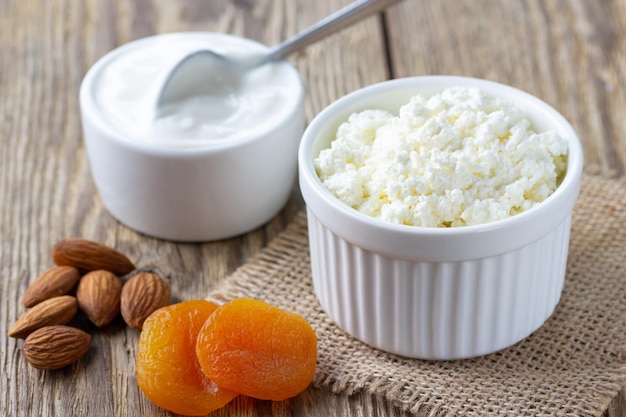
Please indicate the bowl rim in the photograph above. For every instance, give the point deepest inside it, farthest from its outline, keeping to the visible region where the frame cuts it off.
(92, 115)
(358, 228)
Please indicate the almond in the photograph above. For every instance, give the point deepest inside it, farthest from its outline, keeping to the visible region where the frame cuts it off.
(54, 347)
(90, 256)
(98, 295)
(52, 283)
(55, 310)
(142, 294)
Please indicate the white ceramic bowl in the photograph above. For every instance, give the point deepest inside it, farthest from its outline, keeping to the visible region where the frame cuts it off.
(201, 193)
(436, 293)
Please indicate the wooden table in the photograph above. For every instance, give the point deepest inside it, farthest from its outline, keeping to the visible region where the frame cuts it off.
(570, 53)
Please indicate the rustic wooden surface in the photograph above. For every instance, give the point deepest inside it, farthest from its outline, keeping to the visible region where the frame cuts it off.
(570, 53)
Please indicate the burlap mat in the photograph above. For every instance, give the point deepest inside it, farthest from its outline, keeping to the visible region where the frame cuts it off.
(573, 365)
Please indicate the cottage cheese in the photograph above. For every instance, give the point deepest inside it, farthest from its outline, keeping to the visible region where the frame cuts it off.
(455, 159)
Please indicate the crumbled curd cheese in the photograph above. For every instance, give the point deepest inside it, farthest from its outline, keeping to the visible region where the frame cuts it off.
(458, 158)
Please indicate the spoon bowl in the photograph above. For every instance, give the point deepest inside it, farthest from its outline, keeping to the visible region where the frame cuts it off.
(205, 72)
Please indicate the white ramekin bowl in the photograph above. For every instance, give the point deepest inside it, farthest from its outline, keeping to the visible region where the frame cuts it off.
(435, 293)
(201, 193)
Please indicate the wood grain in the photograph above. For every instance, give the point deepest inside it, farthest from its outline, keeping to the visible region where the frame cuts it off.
(570, 53)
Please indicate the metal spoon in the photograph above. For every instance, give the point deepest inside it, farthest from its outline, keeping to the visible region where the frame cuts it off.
(223, 69)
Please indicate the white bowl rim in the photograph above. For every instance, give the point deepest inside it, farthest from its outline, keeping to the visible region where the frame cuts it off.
(89, 106)
(359, 228)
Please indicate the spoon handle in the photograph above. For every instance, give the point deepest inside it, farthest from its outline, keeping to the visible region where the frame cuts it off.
(335, 22)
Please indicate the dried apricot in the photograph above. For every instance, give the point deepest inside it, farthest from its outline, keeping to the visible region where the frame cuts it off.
(258, 350)
(168, 371)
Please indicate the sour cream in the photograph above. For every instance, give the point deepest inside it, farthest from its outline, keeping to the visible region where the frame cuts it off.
(217, 111)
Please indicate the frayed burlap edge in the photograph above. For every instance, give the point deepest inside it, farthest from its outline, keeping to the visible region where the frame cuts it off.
(573, 365)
